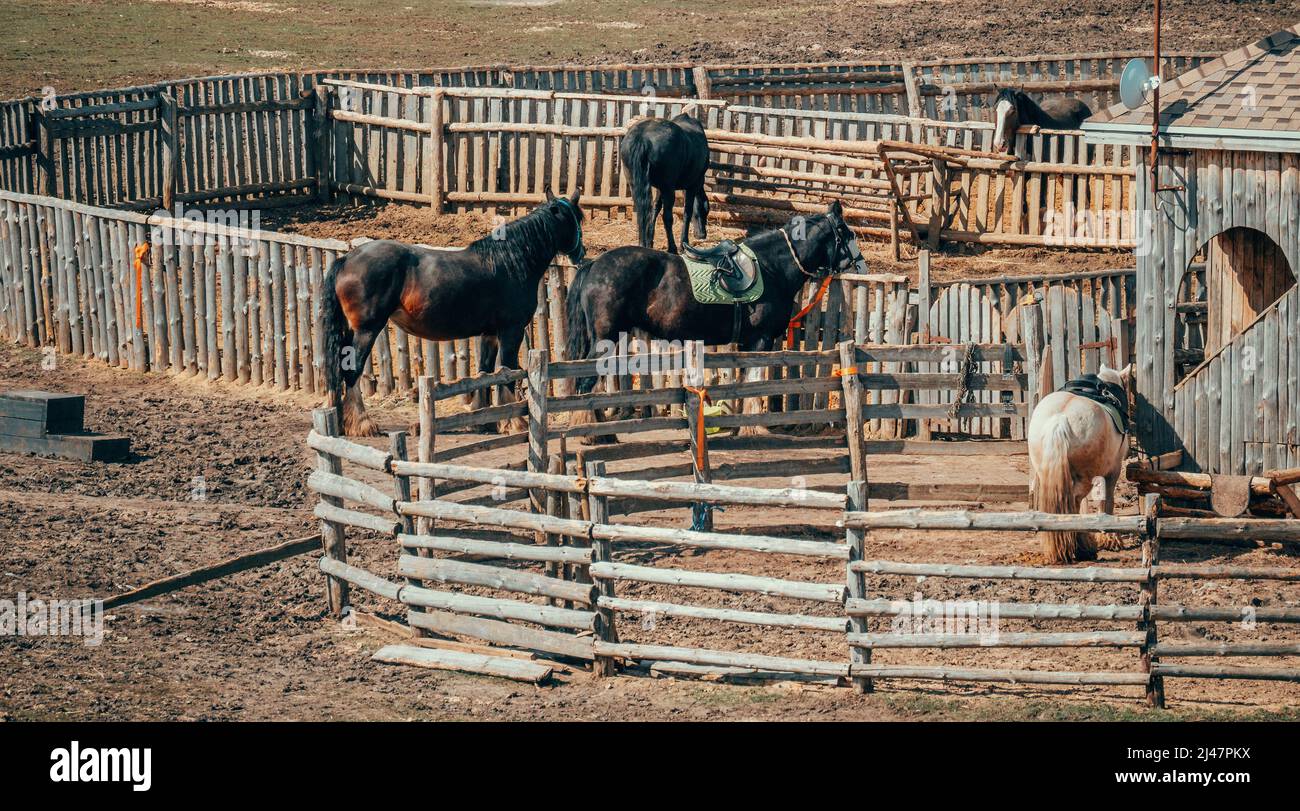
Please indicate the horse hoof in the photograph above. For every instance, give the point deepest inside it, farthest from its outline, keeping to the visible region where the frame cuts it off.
(515, 425)
(751, 430)
(362, 427)
(603, 439)
(1109, 542)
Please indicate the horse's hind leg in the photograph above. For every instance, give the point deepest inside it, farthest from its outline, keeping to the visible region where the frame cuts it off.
(487, 363)
(1109, 541)
(688, 212)
(669, 199)
(510, 340)
(356, 421)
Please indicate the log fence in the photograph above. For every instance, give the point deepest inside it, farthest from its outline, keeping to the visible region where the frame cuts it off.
(559, 577)
(219, 300)
(507, 134)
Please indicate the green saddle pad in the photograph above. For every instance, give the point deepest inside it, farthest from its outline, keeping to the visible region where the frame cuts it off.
(707, 289)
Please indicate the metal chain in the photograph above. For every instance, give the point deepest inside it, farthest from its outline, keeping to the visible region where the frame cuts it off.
(963, 385)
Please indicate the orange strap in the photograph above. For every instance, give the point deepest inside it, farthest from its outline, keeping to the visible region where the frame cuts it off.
(703, 394)
(141, 253)
(798, 319)
(845, 372)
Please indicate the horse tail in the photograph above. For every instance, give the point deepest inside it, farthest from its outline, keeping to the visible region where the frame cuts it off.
(337, 333)
(1054, 491)
(635, 150)
(579, 326)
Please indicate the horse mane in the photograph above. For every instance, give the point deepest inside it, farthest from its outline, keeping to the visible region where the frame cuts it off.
(525, 243)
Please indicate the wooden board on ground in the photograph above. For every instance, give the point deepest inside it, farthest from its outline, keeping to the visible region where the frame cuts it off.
(437, 659)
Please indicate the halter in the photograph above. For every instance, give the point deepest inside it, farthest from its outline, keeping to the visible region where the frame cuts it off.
(839, 244)
(578, 250)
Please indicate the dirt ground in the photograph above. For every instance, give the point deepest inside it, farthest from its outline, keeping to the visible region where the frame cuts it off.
(258, 645)
(418, 224)
(85, 44)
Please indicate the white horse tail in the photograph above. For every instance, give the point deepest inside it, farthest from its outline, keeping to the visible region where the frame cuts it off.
(1054, 492)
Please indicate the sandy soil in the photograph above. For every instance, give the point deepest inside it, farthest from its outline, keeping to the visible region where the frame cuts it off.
(86, 44)
(258, 645)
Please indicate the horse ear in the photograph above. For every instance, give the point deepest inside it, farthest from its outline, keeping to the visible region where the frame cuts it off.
(1126, 374)
(835, 210)
(549, 196)
(577, 194)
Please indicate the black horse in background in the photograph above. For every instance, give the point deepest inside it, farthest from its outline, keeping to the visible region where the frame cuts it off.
(636, 288)
(667, 156)
(487, 289)
(1014, 109)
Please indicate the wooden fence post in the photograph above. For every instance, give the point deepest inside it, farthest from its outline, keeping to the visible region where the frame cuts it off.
(1147, 598)
(701, 513)
(853, 423)
(325, 421)
(424, 450)
(538, 452)
(1031, 327)
(169, 137)
(320, 143)
(857, 581)
(436, 164)
(46, 182)
(912, 89)
(703, 87)
(924, 291)
(602, 551)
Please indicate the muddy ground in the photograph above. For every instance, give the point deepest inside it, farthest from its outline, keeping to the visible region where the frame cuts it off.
(258, 645)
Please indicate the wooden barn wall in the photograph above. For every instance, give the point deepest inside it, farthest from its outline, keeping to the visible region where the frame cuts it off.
(1235, 413)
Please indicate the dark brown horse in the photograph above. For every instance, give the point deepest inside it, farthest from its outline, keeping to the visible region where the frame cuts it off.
(635, 288)
(1014, 109)
(487, 289)
(667, 156)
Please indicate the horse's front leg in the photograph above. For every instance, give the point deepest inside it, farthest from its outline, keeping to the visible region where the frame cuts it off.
(510, 340)
(754, 405)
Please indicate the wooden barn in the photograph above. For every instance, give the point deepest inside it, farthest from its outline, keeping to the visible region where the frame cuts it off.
(1217, 313)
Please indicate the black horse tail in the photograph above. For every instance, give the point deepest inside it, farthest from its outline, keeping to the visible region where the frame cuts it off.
(636, 157)
(579, 327)
(337, 334)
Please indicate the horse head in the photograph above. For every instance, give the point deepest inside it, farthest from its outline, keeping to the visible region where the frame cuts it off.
(1006, 114)
(844, 253)
(568, 218)
(1117, 377)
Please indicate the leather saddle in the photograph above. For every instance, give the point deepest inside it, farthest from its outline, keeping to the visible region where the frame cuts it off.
(732, 267)
(1099, 391)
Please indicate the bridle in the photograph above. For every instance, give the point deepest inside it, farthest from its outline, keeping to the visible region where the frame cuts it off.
(578, 251)
(842, 248)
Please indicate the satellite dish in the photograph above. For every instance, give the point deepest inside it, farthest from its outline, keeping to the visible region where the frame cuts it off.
(1135, 82)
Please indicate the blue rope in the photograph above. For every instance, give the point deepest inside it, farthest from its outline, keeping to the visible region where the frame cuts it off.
(699, 515)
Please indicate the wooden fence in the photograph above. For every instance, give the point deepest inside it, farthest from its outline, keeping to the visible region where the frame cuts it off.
(562, 578)
(463, 148)
(263, 139)
(212, 298)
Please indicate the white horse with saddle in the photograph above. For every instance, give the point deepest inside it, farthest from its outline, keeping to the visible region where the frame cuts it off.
(1078, 440)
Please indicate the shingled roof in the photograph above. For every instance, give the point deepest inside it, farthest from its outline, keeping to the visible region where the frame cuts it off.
(1246, 99)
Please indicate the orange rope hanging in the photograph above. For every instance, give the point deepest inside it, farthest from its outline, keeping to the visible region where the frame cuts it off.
(797, 321)
(141, 254)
